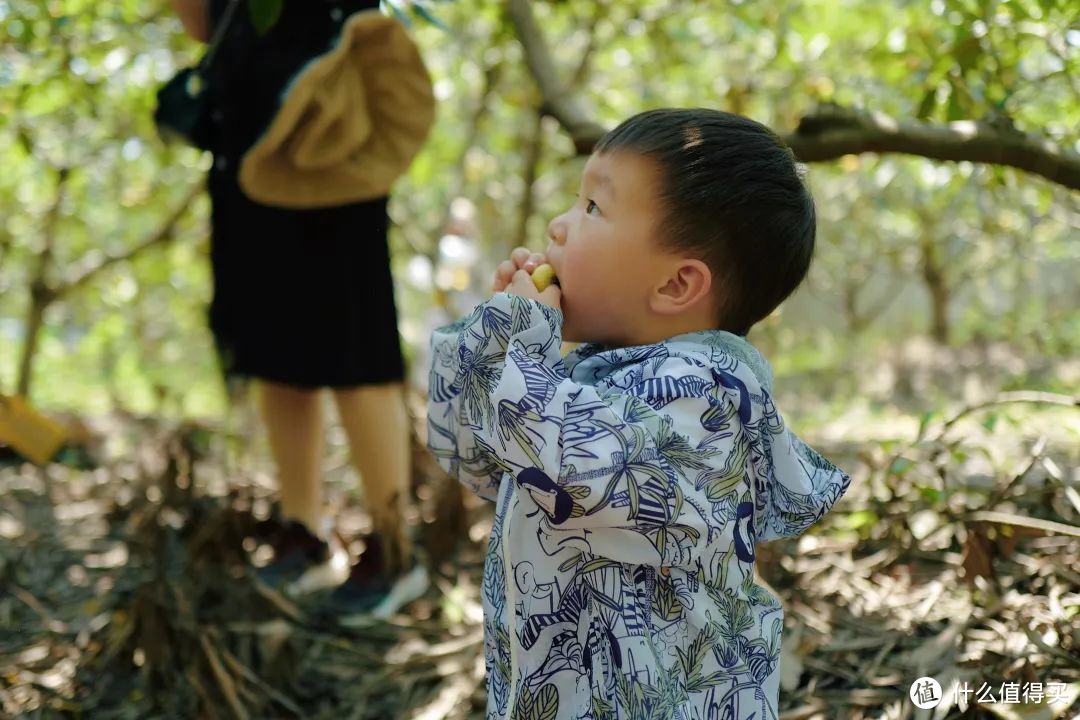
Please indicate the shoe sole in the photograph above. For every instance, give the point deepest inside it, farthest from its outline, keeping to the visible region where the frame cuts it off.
(323, 576)
(410, 587)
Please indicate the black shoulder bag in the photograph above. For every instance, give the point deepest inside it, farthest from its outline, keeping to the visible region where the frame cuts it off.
(183, 111)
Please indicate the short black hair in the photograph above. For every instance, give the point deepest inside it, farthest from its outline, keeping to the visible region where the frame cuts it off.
(732, 195)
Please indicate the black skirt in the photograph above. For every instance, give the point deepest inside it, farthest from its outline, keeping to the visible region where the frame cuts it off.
(302, 297)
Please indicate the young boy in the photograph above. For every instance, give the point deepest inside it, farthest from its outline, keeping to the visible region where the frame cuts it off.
(633, 478)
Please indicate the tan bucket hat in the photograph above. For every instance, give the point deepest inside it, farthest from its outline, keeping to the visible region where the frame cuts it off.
(350, 122)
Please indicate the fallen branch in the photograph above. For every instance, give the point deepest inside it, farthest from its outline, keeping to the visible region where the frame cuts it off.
(1003, 518)
(51, 623)
(1022, 396)
(1046, 648)
(228, 687)
(1034, 456)
(238, 667)
(804, 712)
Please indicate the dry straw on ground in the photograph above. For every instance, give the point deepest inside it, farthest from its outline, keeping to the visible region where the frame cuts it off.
(124, 592)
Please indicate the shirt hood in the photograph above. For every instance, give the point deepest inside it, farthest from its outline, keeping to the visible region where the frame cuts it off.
(794, 485)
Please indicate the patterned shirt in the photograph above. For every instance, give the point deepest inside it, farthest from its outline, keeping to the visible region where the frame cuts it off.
(631, 488)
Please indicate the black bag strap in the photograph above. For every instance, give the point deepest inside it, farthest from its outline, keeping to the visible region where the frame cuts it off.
(219, 34)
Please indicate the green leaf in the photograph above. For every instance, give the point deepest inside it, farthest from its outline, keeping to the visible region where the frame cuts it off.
(709, 681)
(924, 422)
(264, 14)
(598, 564)
(860, 519)
(900, 466)
(966, 49)
(635, 499)
(524, 703)
(926, 107)
(546, 705)
(931, 494)
(602, 709)
(424, 13)
(725, 563)
(954, 110)
(695, 655)
(578, 492)
(677, 510)
(569, 563)
(741, 619)
(665, 602)
(400, 14)
(718, 487)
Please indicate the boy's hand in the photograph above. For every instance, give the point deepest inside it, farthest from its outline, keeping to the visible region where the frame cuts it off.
(520, 259)
(522, 284)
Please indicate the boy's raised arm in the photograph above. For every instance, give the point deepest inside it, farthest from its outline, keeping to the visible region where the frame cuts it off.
(467, 363)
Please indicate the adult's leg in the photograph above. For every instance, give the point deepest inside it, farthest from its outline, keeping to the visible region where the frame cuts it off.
(377, 425)
(294, 426)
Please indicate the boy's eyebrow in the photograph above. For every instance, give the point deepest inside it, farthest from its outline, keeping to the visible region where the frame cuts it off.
(602, 180)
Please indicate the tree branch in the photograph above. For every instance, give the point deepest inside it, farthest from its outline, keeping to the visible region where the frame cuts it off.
(534, 144)
(558, 99)
(831, 132)
(41, 294)
(7, 241)
(161, 235)
(600, 11)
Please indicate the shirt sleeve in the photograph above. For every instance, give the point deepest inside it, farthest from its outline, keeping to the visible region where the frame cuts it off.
(467, 363)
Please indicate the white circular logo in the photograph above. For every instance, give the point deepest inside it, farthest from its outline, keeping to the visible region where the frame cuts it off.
(925, 693)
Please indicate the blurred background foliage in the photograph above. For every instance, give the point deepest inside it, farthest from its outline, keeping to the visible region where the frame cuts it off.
(938, 290)
(928, 274)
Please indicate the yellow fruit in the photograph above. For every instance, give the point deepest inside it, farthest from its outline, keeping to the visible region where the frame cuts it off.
(543, 276)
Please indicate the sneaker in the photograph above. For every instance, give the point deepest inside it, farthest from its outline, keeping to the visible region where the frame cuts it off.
(303, 563)
(369, 593)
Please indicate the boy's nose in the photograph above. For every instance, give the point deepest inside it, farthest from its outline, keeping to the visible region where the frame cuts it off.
(557, 230)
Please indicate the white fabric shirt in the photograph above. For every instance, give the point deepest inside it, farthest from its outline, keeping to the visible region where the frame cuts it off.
(631, 488)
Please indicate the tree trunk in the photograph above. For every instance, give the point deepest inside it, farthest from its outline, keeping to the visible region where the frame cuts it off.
(938, 288)
(855, 323)
(41, 295)
(40, 299)
(534, 143)
(940, 329)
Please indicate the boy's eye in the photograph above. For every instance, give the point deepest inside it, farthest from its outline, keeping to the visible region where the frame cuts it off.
(589, 205)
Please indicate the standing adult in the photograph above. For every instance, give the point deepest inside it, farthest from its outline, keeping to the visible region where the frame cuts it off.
(311, 121)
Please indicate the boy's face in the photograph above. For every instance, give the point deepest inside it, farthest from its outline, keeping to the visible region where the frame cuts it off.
(604, 250)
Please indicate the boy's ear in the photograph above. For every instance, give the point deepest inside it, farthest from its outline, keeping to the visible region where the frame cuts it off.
(688, 284)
